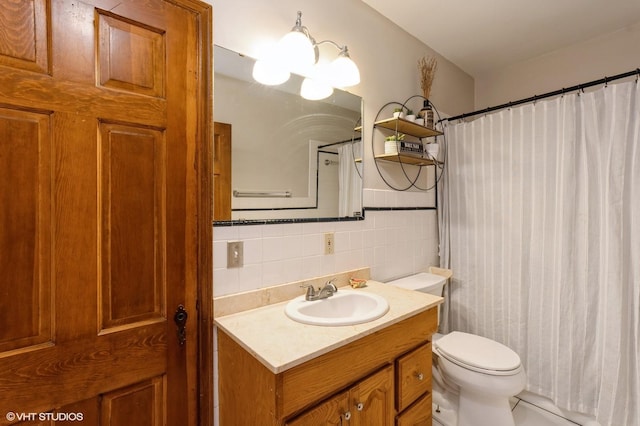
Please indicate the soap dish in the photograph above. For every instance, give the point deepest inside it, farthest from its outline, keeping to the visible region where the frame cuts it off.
(357, 282)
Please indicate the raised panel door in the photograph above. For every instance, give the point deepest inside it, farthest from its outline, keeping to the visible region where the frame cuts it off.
(100, 129)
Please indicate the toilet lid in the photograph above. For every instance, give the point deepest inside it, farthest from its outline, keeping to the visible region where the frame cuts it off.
(477, 351)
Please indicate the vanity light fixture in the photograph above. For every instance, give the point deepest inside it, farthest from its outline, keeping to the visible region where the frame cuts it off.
(298, 52)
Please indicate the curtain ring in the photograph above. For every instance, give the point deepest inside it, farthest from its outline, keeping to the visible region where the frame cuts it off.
(606, 81)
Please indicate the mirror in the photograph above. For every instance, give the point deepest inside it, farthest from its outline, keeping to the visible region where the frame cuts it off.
(279, 156)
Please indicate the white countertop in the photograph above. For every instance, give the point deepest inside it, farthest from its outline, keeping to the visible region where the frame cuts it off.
(281, 343)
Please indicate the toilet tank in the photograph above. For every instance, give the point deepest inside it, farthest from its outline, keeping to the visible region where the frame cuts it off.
(423, 282)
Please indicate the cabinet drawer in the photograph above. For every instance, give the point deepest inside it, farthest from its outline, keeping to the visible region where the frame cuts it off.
(413, 378)
(419, 414)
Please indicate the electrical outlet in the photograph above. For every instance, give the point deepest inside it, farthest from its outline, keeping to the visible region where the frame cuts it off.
(234, 254)
(328, 243)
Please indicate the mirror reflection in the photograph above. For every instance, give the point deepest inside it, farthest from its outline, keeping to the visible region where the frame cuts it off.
(279, 156)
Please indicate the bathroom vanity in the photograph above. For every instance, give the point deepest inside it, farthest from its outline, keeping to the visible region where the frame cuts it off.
(275, 371)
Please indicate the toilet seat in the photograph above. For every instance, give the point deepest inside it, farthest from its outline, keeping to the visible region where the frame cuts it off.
(478, 353)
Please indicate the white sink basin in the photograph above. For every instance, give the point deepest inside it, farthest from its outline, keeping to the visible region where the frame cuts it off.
(345, 307)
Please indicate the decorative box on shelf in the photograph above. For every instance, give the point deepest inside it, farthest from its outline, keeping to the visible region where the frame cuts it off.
(404, 147)
(411, 148)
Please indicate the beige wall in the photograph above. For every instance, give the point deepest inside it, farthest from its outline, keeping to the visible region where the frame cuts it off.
(392, 243)
(386, 55)
(607, 55)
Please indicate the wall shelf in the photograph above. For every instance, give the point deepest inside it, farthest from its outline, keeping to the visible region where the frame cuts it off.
(407, 159)
(407, 127)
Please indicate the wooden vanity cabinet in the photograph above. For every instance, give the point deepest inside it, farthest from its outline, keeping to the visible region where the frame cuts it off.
(322, 390)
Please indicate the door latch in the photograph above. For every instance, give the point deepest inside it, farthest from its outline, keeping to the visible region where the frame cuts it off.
(180, 318)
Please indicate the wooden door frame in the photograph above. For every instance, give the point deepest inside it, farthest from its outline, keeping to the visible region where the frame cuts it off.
(204, 169)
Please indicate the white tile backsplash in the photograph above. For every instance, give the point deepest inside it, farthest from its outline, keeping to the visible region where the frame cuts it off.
(392, 243)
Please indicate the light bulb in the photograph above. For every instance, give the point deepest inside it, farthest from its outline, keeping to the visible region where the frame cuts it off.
(296, 52)
(269, 72)
(314, 90)
(344, 72)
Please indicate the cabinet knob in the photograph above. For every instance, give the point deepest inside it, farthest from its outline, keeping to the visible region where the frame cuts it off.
(419, 376)
(360, 406)
(347, 415)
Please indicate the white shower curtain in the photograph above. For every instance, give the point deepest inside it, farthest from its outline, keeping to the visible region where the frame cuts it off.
(540, 223)
(349, 179)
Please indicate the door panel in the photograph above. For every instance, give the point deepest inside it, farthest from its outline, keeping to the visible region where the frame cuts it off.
(25, 159)
(25, 44)
(141, 404)
(132, 177)
(101, 123)
(118, 39)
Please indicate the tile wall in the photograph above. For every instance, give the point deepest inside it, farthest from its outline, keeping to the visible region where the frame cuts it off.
(392, 243)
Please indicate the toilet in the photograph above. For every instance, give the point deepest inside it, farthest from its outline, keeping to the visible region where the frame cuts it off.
(473, 377)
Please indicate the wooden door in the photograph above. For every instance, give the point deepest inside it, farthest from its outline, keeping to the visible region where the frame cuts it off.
(102, 138)
(222, 171)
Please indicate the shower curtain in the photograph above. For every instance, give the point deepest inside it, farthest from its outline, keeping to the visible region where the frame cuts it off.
(349, 180)
(540, 223)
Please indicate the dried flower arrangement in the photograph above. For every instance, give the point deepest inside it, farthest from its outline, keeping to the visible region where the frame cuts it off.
(427, 68)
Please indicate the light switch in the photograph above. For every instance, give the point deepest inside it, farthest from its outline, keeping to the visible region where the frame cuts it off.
(328, 243)
(234, 254)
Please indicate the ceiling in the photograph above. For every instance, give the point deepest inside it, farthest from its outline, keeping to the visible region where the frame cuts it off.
(479, 36)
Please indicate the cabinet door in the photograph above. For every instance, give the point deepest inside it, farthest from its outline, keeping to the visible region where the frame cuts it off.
(372, 400)
(332, 412)
(419, 414)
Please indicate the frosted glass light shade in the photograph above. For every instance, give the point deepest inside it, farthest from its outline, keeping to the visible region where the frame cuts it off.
(269, 72)
(344, 72)
(314, 90)
(296, 52)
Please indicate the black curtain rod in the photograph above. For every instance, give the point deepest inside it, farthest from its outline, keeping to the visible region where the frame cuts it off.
(546, 95)
(340, 142)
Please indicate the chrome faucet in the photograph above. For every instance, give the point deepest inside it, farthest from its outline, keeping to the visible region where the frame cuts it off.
(322, 293)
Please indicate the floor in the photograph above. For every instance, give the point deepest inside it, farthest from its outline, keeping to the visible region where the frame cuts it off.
(534, 411)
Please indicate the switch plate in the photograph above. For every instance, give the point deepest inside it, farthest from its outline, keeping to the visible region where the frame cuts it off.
(328, 243)
(234, 254)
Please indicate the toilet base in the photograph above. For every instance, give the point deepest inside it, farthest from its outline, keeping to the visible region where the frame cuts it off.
(445, 405)
(479, 410)
(470, 410)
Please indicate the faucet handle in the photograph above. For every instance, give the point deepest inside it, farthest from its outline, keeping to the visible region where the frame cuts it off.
(311, 292)
(331, 284)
